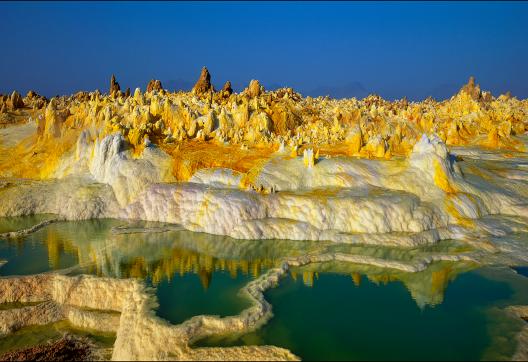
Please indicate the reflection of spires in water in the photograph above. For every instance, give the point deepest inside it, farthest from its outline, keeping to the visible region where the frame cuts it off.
(173, 261)
(222, 264)
(356, 277)
(231, 266)
(383, 279)
(293, 275)
(127, 256)
(115, 258)
(138, 268)
(308, 278)
(428, 287)
(207, 262)
(255, 269)
(53, 244)
(439, 280)
(57, 244)
(244, 265)
(205, 278)
(111, 261)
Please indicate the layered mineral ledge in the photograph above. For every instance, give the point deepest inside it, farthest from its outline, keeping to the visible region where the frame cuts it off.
(269, 165)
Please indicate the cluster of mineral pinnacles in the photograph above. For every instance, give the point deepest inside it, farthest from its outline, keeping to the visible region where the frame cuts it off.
(255, 118)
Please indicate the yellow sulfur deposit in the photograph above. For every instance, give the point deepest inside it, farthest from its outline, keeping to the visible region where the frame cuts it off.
(366, 185)
(368, 128)
(266, 164)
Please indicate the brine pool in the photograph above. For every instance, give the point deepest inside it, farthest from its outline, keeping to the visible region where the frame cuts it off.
(336, 311)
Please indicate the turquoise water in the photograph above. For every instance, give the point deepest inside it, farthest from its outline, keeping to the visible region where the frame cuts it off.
(334, 319)
(53, 247)
(326, 311)
(30, 257)
(523, 270)
(187, 296)
(17, 223)
(187, 283)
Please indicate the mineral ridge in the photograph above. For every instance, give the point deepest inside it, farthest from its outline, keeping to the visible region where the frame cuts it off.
(265, 164)
(260, 165)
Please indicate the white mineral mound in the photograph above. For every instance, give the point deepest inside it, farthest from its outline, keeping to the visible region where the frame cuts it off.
(397, 202)
(110, 161)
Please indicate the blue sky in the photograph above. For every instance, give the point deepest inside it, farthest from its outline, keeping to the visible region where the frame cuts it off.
(395, 49)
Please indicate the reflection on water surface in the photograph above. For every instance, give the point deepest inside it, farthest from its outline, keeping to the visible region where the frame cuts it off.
(331, 310)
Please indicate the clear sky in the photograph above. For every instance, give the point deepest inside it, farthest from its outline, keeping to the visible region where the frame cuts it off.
(395, 49)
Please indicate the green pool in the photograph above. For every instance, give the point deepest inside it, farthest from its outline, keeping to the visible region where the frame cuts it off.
(336, 311)
(337, 319)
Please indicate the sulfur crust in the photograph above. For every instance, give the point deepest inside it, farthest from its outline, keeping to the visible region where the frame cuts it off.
(267, 165)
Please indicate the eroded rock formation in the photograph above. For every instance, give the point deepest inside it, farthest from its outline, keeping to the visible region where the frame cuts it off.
(254, 89)
(119, 157)
(15, 101)
(154, 84)
(203, 86)
(472, 89)
(114, 86)
(226, 90)
(91, 303)
(34, 100)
